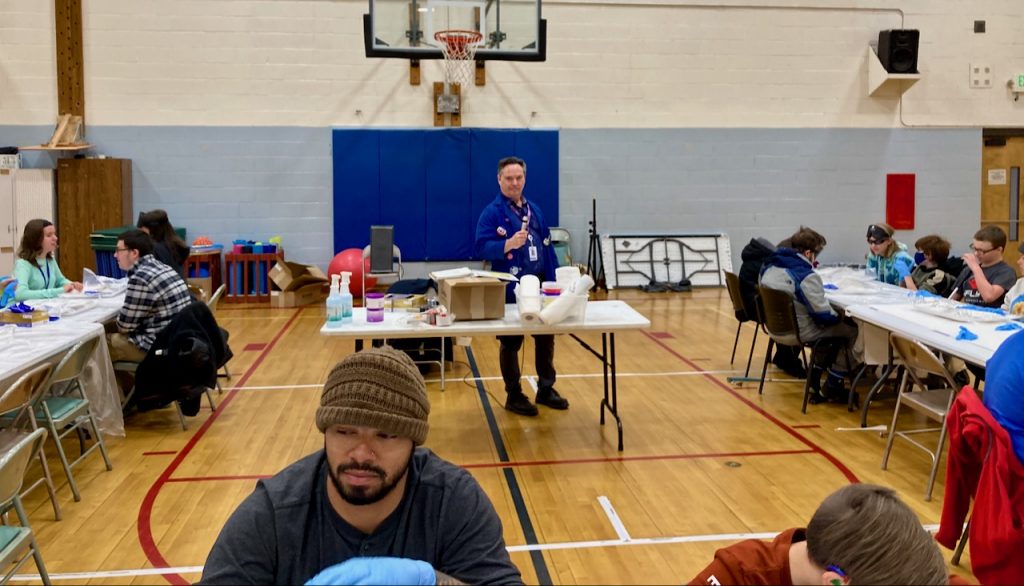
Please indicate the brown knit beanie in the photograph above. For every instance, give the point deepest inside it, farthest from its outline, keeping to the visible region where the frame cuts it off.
(379, 388)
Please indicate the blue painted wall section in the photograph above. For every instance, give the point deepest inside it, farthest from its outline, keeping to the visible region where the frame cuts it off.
(432, 184)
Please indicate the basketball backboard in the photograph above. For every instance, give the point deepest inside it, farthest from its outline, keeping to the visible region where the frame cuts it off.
(512, 30)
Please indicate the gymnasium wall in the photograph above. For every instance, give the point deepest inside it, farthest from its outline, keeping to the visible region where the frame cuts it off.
(227, 107)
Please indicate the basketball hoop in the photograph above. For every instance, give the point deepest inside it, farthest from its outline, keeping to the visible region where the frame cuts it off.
(459, 49)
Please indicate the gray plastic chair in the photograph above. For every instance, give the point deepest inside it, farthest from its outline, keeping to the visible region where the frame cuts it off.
(19, 542)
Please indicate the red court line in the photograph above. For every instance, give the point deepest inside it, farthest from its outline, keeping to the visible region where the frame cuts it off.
(815, 447)
(806, 426)
(208, 478)
(145, 527)
(160, 453)
(545, 463)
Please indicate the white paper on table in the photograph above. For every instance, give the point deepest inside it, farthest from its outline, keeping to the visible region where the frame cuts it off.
(93, 285)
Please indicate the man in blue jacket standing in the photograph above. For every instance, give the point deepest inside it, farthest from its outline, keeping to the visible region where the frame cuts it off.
(513, 236)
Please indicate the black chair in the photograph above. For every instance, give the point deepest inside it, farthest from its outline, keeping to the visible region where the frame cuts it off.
(778, 317)
(732, 283)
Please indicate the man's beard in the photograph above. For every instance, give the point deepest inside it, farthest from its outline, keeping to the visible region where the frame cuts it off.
(365, 495)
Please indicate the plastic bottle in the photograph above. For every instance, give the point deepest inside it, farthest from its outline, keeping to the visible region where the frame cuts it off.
(346, 298)
(334, 303)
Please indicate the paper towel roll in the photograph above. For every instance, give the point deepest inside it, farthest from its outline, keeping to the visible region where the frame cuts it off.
(530, 303)
(529, 286)
(581, 286)
(566, 275)
(530, 317)
(529, 308)
(558, 310)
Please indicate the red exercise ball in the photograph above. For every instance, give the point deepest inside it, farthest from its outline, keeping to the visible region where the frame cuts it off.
(351, 260)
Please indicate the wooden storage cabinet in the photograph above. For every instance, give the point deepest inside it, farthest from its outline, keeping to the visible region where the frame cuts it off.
(92, 194)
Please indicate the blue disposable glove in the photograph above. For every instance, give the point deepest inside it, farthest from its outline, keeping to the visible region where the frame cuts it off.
(966, 334)
(379, 570)
(9, 285)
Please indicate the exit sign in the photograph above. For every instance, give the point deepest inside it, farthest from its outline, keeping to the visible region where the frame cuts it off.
(1018, 82)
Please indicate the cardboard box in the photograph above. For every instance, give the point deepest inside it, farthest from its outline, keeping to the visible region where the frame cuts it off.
(403, 302)
(473, 297)
(312, 293)
(289, 276)
(295, 285)
(37, 317)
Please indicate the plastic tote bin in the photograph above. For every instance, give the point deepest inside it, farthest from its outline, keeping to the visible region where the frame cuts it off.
(104, 242)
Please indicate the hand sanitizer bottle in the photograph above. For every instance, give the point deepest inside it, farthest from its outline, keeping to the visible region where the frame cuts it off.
(334, 303)
(346, 299)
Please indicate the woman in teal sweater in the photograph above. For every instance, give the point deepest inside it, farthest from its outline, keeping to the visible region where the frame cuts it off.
(37, 272)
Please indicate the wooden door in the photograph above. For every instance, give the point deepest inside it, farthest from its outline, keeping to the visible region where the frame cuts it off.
(1002, 200)
(92, 194)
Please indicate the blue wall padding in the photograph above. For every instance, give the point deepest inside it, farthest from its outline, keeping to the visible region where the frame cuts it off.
(356, 188)
(432, 184)
(446, 182)
(401, 199)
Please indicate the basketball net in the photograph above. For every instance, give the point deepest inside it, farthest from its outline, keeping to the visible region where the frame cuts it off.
(459, 49)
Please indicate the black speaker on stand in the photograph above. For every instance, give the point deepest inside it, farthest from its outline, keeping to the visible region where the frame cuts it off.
(897, 50)
(595, 259)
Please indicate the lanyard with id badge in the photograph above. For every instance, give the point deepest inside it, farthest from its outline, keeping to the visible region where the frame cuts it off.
(531, 251)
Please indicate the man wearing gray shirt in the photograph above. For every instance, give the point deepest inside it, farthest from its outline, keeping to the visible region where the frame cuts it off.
(372, 506)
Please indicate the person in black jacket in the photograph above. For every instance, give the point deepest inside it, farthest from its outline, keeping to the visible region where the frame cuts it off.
(753, 255)
(168, 247)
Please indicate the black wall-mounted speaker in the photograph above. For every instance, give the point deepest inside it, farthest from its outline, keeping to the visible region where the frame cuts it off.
(897, 50)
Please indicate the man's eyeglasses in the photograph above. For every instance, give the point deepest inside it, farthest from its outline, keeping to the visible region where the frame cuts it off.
(980, 251)
(121, 249)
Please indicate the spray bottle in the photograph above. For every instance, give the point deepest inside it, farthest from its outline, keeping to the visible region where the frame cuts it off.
(346, 298)
(334, 303)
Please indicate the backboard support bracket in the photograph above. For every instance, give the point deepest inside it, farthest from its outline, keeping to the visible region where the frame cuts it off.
(414, 72)
(480, 74)
(447, 106)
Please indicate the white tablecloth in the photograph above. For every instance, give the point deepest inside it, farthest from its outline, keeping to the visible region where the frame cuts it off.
(22, 348)
(892, 309)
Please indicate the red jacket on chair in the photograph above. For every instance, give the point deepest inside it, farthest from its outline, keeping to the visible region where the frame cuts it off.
(981, 464)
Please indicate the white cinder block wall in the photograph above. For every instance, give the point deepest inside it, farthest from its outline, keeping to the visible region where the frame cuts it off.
(630, 66)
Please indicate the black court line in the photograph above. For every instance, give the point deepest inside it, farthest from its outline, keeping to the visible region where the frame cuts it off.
(539, 566)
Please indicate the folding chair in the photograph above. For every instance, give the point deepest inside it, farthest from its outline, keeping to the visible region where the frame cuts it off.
(369, 251)
(778, 318)
(197, 292)
(130, 367)
(18, 542)
(212, 303)
(934, 403)
(732, 283)
(16, 405)
(65, 413)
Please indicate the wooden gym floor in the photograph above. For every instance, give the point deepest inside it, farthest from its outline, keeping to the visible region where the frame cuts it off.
(705, 463)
